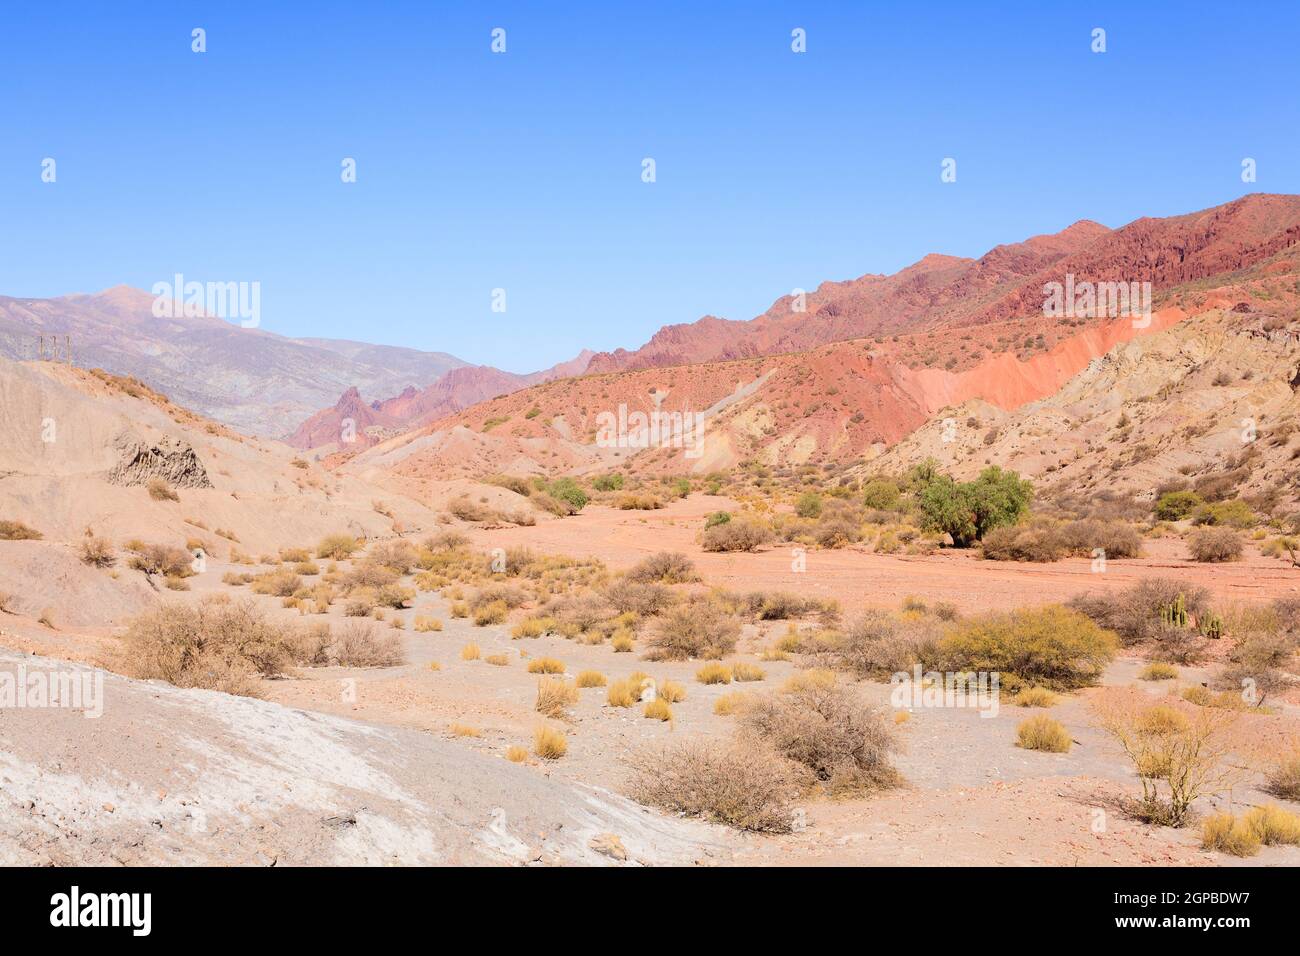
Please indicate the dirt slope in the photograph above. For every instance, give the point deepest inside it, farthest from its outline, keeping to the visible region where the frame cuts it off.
(168, 776)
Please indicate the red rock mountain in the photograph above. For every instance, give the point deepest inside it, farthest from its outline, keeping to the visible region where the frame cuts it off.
(946, 291)
(957, 330)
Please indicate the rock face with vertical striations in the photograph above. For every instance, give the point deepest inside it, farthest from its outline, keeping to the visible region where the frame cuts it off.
(171, 459)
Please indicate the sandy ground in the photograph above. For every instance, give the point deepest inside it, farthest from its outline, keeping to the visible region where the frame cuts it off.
(329, 741)
(861, 579)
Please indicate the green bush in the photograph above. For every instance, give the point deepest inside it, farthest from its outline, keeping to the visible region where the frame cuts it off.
(567, 490)
(1052, 647)
(809, 505)
(1235, 513)
(717, 518)
(968, 510)
(612, 482)
(1176, 505)
(881, 494)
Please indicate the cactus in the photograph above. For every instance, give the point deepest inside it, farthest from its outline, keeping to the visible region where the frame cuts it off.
(1174, 614)
(1211, 626)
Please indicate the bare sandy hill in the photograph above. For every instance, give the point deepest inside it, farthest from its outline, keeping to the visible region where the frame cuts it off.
(77, 451)
(170, 776)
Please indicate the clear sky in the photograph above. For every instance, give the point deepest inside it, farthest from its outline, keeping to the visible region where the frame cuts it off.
(523, 170)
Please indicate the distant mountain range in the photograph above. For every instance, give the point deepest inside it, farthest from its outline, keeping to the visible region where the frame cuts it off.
(879, 353)
(256, 381)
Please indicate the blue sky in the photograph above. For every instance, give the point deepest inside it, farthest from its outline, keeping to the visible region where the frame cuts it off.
(522, 171)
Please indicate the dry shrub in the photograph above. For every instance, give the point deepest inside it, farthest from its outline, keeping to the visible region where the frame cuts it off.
(671, 691)
(826, 728)
(98, 552)
(645, 599)
(1052, 646)
(744, 672)
(549, 743)
(779, 605)
(638, 502)
(665, 567)
(1227, 834)
(470, 652)
(446, 541)
(493, 613)
(1283, 777)
(1273, 825)
(1180, 752)
(714, 673)
(658, 709)
(507, 594)
(624, 692)
(17, 531)
(399, 556)
(879, 645)
(516, 754)
(425, 624)
(467, 510)
(214, 645)
(722, 782)
(1116, 538)
(465, 730)
(736, 535)
(360, 644)
(622, 642)
(554, 697)
(583, 613)
(732, 703)
(1158, 670)
(281, 583)
(1041, 732)
(1134, 613)
(1215, 544)
(159, 490)
(590, 679)
(545, 665)
(161, 559)
(533, 626)
(370, 574)
(1036, 697)
(1258, 661)
(336, 547)
(1037, 541)
(701, 628)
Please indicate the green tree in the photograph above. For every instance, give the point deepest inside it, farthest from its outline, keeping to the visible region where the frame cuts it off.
(968, 510)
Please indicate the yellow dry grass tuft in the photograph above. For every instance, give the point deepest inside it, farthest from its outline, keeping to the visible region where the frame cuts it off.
(1043, 733)
(658, 709)
(714, 673)
(555, 697)
(550, 744)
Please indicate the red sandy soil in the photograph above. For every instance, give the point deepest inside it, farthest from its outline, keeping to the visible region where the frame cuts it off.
(861, 579)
